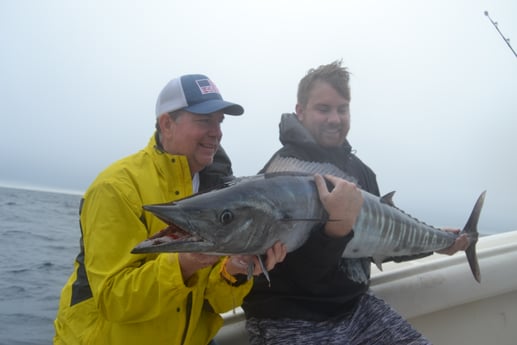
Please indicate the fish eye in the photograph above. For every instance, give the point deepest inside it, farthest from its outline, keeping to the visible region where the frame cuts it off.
(226, 217)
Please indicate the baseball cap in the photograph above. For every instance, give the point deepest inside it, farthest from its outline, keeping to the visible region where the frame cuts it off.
(195, 93)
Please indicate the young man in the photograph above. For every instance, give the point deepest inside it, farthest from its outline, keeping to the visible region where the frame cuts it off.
(115, 297)
(313, 297)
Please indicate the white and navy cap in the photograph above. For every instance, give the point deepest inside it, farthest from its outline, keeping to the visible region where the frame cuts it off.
(195, 93)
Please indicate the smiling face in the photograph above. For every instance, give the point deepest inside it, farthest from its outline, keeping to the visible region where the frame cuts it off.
(326, 115)
(195, 136)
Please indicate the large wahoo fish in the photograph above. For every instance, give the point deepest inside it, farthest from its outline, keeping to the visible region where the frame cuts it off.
(249, 214)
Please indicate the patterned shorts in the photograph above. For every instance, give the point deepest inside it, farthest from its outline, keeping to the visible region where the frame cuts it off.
(374, 322)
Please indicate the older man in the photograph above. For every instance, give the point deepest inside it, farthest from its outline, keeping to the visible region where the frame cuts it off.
(114, 297)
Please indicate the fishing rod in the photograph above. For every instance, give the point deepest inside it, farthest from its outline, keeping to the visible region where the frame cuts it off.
(507, 40)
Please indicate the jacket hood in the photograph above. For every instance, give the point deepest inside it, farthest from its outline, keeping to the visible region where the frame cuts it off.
(293, 132)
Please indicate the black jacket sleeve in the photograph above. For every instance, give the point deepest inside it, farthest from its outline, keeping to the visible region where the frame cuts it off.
(318, 257)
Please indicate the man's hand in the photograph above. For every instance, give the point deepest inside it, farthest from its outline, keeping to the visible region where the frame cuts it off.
(461, 243)
(342, 204)
(191, 262)
(240, 263)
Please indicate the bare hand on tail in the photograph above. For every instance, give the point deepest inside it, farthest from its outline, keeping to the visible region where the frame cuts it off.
(461, 243)
(342, 204)
(239, 264)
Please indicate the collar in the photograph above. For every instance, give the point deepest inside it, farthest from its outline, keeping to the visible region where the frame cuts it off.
(293, 132)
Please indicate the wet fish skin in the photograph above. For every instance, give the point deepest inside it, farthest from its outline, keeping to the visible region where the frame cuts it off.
(250, 214)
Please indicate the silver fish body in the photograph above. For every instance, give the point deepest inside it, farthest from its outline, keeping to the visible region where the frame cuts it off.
(249, 214)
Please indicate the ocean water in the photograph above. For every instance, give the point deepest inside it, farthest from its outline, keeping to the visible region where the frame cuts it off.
(39, 239)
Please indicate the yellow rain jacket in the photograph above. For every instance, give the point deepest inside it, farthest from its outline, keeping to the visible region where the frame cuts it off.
(115, 297)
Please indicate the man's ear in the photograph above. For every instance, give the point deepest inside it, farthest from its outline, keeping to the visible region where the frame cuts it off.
(164, 121)
(299, 111)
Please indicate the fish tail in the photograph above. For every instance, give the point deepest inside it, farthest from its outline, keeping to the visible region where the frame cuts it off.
(471, 230)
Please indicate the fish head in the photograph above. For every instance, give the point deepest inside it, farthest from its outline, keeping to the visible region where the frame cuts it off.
(224, 222)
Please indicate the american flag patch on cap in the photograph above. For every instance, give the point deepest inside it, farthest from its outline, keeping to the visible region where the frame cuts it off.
(206, 86)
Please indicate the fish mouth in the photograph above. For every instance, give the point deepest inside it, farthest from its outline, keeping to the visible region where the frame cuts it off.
(173, 234)
(173, 238)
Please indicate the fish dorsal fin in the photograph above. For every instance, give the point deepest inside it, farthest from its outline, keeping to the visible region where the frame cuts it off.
(293, 165)
(388, 199)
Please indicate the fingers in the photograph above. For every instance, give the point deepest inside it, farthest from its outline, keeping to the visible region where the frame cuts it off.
(321, 185)
(191, 262)
(197, 259)
(341, 186)
(238, 264)
(342, 204)
(460, 244)
(274, 255)
(453, 230)
(335, 180)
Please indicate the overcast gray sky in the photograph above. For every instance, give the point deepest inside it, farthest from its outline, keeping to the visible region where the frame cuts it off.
(434, 88)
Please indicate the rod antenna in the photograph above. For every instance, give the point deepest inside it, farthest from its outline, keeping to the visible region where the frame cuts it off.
(506, 40)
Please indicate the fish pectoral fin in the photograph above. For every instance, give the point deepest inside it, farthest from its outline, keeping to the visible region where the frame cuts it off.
(264, 270)
(251, 269)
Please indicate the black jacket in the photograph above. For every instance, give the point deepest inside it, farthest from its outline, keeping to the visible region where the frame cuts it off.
(219, 172)
(313, 282)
